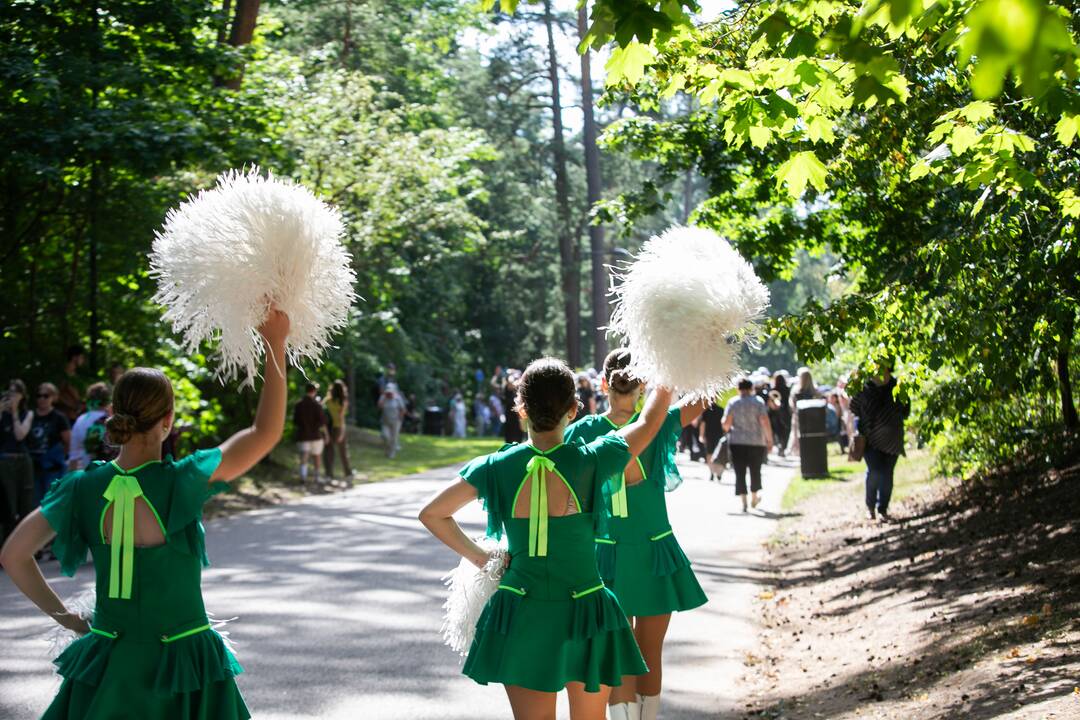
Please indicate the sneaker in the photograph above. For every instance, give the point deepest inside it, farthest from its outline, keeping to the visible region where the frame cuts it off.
(870, 514)
(883, 516)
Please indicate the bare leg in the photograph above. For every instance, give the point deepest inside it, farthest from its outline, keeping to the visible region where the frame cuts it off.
(625, 693)
(531, 704)
(316, 462)
(303, 465)
(650, 632)
(587, 705)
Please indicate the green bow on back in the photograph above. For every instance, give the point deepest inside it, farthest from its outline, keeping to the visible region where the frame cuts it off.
(539, 467)
(122, 491)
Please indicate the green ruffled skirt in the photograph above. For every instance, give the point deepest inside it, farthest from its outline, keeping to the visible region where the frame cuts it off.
(145, 679)
(650, 577)
(552, 621)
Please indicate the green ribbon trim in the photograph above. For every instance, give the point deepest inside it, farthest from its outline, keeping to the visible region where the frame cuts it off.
(662, 535)
(122, 492)
(583, 593)
(104, 633)
(186, 633)
(516, 591)
(605, 541)
(538, 468)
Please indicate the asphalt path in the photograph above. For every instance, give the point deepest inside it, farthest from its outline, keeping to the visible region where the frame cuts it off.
(338, 605)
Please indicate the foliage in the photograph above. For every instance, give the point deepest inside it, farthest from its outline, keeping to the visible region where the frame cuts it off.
(928, 145)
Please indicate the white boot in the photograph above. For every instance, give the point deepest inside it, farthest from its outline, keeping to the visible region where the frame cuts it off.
(625, 711)
(650, 706)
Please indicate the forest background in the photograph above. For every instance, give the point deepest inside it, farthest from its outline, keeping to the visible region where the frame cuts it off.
(902, 174)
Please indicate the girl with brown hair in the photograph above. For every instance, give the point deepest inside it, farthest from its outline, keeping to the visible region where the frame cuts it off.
(552, 624)
(149, 651)
(639, 558)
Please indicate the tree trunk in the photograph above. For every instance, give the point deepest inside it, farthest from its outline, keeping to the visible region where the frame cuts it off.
(223, 28)
(568, 255)
(1068, 407)
(243, 30)
(594, 183)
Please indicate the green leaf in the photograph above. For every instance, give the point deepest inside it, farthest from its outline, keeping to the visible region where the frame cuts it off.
(760, 136)
(962, 138)
(1070, 203)
(978, 111)
(800, 169)
(628, 63)
(1067, 128)
(820, 129)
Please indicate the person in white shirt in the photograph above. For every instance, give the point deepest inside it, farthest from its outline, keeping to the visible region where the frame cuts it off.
(88, 432)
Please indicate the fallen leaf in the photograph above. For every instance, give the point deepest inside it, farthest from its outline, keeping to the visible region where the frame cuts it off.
(767, 595)
(1031, 620)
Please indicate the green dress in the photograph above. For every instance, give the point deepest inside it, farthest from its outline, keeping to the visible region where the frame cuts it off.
(151, 654)
(551, 621)
(639, 558)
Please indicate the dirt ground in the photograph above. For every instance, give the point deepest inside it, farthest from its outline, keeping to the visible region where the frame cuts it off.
(966, 606)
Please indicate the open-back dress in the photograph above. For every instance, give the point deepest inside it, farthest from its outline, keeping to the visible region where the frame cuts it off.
(151, 653)
(552, 621)
(639, 557)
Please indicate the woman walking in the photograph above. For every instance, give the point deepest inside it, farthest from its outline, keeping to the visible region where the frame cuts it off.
(552, 624)
(149, 651)
(639, 558)
(879, 418)
(746, 420)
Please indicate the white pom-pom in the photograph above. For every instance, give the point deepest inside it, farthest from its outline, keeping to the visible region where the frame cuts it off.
(469, 590)
(59, 637)
(686, 306)
(226, 253)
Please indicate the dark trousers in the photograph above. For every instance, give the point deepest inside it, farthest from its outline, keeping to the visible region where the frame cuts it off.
(879, 478)
(747, 457)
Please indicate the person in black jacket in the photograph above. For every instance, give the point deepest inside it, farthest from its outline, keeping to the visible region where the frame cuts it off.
(880, 419)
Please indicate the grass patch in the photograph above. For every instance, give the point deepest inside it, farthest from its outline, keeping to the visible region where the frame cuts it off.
(419, 453)
(912, 471)
(840, 470)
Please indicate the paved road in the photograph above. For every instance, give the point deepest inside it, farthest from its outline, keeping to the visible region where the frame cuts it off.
(338, 599)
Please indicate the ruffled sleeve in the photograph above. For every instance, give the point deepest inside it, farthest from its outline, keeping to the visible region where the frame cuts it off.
(480, 473)
(664, 449)
(191, 489)
(610, 456)
(60, 509)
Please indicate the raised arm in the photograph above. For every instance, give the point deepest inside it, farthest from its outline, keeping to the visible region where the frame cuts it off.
(438, 517)
(241, 451)
(17, 557)
(640, 433)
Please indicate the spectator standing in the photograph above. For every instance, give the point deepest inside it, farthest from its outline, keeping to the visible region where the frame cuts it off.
(16, 468)
(586, 395)
(391, 415)
(69, 396)
(48, 441)
(498, 413)
(711, 430)
(746, 421)
(880, 419)
(337, 408)
(805, 390)
(835, 426)
(309, 423)
(498, 381)
(780, 416)
(512, 432)
(458, 419)
(481, 414)
(88, 433)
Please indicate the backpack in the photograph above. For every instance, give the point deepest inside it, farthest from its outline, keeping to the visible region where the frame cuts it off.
(95, 443)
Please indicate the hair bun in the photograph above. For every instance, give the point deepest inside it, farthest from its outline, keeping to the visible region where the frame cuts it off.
(120, 428)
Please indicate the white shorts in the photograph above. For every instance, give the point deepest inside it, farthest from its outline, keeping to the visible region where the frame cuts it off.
(315, 447)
